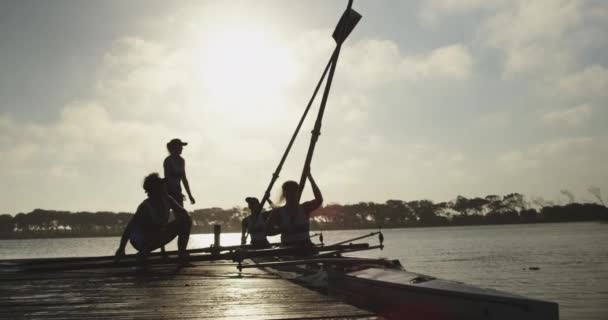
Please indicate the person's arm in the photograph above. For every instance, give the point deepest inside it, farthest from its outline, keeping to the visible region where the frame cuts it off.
(271, 204)
(312, 205)
(315, 190)
(124, 239)
(244, 231)
(167, 167)
(176, 207)
(187, 186)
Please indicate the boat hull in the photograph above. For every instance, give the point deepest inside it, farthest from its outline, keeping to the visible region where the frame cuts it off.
(399, 294)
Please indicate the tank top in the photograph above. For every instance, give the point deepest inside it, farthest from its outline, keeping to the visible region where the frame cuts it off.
(257, 227)
(294, 228)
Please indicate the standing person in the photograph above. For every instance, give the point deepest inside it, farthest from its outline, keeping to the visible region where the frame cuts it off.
(293, 218)
(175, 172)
(150, 229)
(255, 225)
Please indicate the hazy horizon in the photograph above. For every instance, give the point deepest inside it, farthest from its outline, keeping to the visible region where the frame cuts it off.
(432, 99)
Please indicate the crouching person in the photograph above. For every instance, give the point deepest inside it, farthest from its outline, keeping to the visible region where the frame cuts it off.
(150, 228)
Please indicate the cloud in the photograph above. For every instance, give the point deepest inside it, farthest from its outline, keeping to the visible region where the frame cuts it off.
(572, 117)
(373, 63)
(386, 122)
(561, 152)
(353, 108)
(516, 161)
(84, 132)
(531, 34)
(592, 81)
(431, 11)
(495, 120)
(560, 146)
(449, 62)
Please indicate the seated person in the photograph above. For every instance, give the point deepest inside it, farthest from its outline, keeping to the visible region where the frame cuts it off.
(150, 228)
(255, 224)
(293, 218)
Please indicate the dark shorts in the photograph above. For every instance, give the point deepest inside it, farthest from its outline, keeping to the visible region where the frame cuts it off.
(150, 241)
(179, 197)
(260, 244)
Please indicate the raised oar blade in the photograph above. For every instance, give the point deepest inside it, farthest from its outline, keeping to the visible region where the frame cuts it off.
(345, 26)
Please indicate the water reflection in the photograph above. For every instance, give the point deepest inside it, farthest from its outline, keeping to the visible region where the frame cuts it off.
(572, 257)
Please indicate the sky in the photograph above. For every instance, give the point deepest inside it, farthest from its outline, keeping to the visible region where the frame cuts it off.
(431, 99)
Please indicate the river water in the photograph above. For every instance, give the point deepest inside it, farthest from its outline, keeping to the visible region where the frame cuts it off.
(572, 258)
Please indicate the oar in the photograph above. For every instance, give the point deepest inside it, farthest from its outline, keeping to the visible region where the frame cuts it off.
(277, 171)
(379, 233)
(234, 255)
(40, 261)
(347, 23)
(332, 261)
(339, 252)
(152, 254)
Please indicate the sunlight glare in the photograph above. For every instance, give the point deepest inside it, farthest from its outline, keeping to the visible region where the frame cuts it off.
(245, 72)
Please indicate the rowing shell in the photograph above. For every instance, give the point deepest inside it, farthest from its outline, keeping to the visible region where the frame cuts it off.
(385, 287)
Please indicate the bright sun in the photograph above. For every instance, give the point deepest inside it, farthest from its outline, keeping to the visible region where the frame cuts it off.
(244, 71)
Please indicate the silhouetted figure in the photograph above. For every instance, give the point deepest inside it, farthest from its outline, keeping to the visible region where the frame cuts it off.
(293, 219)
(150, 228)
(175, 172)
(255, 224)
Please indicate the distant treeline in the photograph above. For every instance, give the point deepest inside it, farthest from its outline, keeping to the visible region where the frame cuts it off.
(492, 209)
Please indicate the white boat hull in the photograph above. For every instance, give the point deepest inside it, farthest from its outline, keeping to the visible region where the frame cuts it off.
(400, 294)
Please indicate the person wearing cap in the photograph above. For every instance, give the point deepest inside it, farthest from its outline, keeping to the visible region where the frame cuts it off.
(150, 227)
(175, 172)
(255, 224)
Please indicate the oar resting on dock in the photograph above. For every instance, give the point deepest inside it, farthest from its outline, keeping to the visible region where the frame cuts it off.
(231, 253)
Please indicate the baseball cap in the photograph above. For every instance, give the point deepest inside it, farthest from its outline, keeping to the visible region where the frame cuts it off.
(252, 199)
(177, 142)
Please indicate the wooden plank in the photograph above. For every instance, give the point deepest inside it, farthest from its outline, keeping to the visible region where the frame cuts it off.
(207, 291)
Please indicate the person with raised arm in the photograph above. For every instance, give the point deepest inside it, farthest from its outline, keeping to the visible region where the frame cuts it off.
(293, 219)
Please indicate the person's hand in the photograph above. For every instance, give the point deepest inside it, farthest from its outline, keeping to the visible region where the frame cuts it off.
(243, 240)
(192, 201)
(119, 254)
(271, 203)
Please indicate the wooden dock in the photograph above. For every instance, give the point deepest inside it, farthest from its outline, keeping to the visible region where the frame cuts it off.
(209, 290)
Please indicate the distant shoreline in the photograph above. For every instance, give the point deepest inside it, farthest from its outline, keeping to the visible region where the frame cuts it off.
(489, 210)
(67, 235)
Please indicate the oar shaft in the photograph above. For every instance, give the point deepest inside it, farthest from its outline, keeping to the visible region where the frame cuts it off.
(235, 255)
(357, 238)
(339, 252)
(333, 261)
(316, 132)
(276, 173)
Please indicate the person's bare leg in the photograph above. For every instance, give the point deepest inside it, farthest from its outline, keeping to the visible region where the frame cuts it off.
(183, 236)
